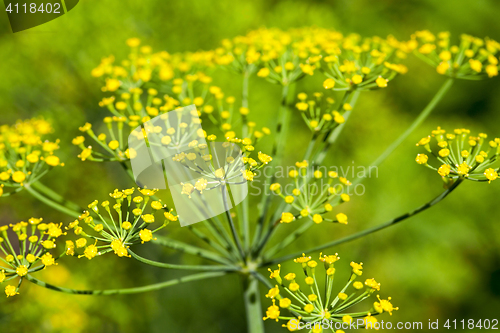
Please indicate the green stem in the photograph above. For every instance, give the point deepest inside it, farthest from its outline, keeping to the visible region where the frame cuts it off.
(371, 230)
(187, 267)
(190, 249)
(282, 126)
(253, 308)
(310, 146)
(245, 218)
(277, 153)
(151, 287)
(225, 249)
(266, 238)
(47, 191)
(421, 117)
(51, 203)
(289, 239)
(231, 223)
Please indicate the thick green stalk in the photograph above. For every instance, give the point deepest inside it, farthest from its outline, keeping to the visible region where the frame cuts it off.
(373, 229)
(277, 153)
(253, 307)
(51, 203)
(151, 287)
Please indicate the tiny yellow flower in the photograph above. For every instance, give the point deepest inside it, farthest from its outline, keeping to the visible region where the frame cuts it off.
(244, 111)
(302, 106)
(287, 217)
(463, 169)
(317, 218)
(422, 159)
(491, 174)
(146, 235)
(263, 72)
(381, 82)
(10, 291)
(148, 218)
(22, 270)
(444, 152)
(275, 187)
(357, 285)
(475, 65)
(341, 218)
(329, 83)
(285, 303)
(48, 260)
(444, 170)
(18, 176)
(113, 144)
(309, 308)
(357, 268)
(52, 160)
(357, 79)
(90, 252)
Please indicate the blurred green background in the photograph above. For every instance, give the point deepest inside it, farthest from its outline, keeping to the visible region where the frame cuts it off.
(442, 264)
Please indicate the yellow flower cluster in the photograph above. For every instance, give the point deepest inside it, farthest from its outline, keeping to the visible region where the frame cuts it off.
(124, 224)
(474, 58)
(223, 113)
(356, 63)
(143, 65)
(311, 196)
(135, 86)
(282, 57)
(181, 78)
(217, 166)
(25, 153)
(319, 114)
(113, 145)
(461, 155)
(36, 240)
(308, 306)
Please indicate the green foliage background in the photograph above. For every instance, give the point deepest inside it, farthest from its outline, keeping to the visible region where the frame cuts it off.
(442, 264)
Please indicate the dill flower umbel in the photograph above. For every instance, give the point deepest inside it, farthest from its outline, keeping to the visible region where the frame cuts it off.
(298, 300)
(224, 114)
(474, 58)
(360, 63)
(150, 84)
(219, 164)
(127, 222)
(26, 154)
(135, 85)
(313, 194)
(281, 57)
(36, 241)
(461, 155)
(111, 144)
(319, 113)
